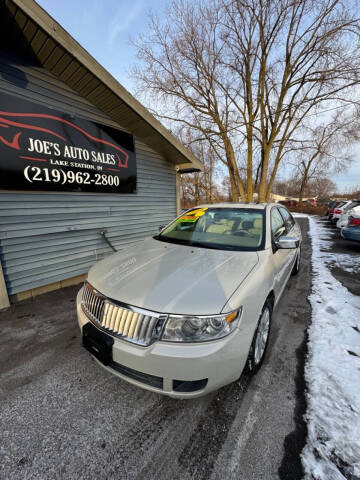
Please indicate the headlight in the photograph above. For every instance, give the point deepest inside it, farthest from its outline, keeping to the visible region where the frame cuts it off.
(180, 328)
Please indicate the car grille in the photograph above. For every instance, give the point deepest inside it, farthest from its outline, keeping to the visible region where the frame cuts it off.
(129, 323)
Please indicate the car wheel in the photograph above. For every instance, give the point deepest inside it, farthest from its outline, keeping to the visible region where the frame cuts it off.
(260, 340)
(296, 267)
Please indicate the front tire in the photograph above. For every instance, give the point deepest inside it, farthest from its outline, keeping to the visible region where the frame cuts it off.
(260, 340)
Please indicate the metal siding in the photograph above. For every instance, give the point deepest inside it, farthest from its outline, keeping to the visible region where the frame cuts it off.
(47, 237)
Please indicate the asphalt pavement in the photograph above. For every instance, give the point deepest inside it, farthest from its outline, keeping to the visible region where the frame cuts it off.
(345, 265)
(63, 417)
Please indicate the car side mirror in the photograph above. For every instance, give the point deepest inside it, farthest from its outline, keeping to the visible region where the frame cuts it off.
(287, 242)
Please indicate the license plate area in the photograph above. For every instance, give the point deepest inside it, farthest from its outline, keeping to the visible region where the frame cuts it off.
(97, 343)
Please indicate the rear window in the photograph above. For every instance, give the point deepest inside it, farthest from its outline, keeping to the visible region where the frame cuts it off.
(352, 205)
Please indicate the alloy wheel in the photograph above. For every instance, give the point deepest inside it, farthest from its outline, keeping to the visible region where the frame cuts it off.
(262, 336)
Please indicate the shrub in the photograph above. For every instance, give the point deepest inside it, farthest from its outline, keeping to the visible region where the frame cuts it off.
(310, 209)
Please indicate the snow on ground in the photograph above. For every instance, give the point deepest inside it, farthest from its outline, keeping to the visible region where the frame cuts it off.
(345, 261)
(348, 262)
(299, 215)
(332, 372)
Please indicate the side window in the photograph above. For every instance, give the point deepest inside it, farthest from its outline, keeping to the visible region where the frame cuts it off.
(277, 224)
(288, 220)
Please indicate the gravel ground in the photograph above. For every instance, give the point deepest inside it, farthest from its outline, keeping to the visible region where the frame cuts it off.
(63, 417)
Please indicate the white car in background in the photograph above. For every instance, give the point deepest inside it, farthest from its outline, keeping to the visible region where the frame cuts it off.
(340, 209)
(184, 312)
(353, 207)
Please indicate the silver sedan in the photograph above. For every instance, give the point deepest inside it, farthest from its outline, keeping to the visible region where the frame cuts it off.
(184, 312)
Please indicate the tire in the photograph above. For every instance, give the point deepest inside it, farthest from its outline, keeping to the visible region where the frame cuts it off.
(260, 340)
(296, 267)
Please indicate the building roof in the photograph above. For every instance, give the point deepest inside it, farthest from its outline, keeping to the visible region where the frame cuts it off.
(63, 56)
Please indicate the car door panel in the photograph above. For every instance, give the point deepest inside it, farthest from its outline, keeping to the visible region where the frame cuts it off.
(281, 257)
(291, 230)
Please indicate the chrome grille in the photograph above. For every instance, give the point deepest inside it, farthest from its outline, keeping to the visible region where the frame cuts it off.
(129, 323)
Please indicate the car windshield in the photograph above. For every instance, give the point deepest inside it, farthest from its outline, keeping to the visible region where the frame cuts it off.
(220, 228)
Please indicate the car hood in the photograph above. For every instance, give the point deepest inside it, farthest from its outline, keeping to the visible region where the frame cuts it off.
(170, 278)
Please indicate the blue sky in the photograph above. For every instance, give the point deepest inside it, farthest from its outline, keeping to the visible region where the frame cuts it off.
(104, 27)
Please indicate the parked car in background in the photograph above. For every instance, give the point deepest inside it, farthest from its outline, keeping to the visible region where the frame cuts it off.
(352, 230)
(323, 201)
(184, 312)
(336, 206)
(339, 210)
(344, 217)
(331, 204)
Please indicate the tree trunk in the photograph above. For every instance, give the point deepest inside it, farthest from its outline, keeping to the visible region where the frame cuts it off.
(249, 172)
(197, 189)
(272, 177)
(210, 178)
(233, 189)
(263, 179)
(258, 173)
(241, 186)
(237, 186)
(303, 186)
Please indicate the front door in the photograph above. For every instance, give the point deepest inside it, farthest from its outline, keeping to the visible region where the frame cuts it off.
(282, 258)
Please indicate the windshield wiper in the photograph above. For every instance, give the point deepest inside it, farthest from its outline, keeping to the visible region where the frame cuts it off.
(178, 241)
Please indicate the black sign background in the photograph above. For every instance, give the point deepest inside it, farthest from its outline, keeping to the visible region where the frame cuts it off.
(44, 149)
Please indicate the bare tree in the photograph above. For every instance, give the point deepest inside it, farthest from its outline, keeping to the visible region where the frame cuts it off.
(182, 66)
(350, 192)
(292, 57)
(321, 187)
(200, 187)
(288, 187)
(325, 147)
(246, 74)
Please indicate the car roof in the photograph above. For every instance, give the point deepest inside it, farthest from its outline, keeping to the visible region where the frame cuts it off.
(255, 206)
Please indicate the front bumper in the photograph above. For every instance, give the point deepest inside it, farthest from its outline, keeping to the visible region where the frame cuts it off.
(162, 365)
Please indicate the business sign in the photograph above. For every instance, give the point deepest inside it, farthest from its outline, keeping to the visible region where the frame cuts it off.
(44, 149)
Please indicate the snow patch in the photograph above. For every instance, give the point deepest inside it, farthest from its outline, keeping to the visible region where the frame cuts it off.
(299, 215)
(348, 262)
(332, 372)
